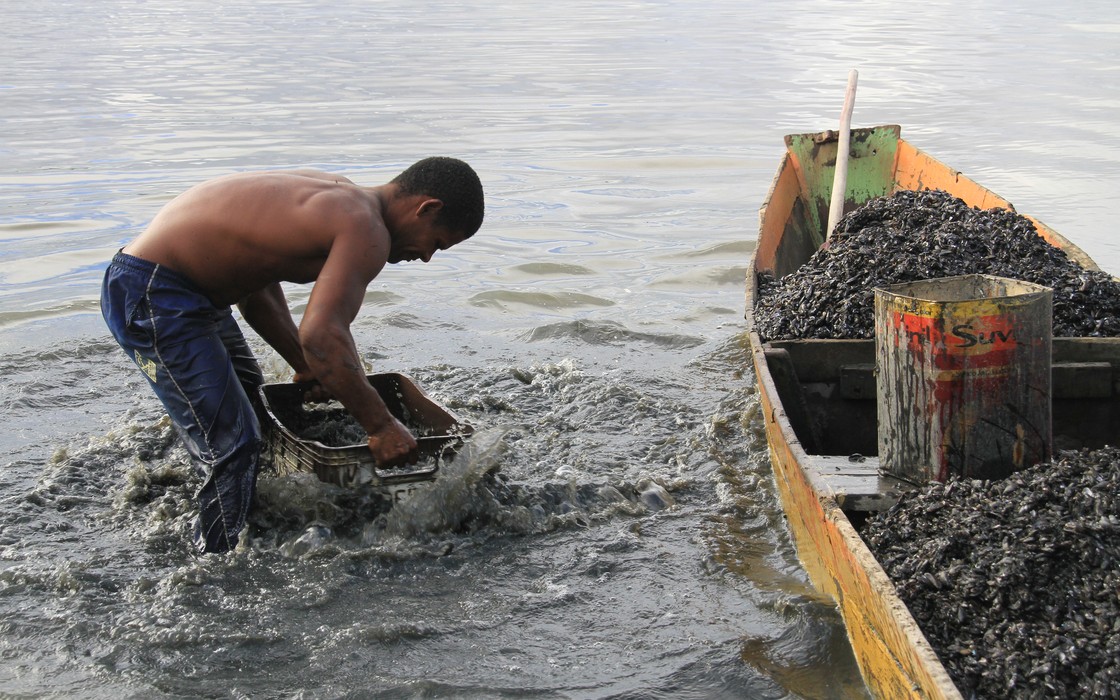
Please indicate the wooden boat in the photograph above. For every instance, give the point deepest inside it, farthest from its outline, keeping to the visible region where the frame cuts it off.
(819, 400)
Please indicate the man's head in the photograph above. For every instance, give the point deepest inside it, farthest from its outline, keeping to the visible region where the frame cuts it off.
(454, 183)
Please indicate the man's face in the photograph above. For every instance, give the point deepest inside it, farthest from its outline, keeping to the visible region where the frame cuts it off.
(421, 240)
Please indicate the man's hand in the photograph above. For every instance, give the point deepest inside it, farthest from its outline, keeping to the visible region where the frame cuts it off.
(315, 393)
(393, 445)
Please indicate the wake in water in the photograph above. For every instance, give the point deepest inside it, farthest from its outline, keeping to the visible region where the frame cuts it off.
(531, 472)
(300, 515)
(563, 449)
(591, 507)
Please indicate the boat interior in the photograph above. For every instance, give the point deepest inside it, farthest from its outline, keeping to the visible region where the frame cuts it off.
(828, 391)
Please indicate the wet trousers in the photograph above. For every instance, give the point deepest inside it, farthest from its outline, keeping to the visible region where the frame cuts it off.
(196, 360)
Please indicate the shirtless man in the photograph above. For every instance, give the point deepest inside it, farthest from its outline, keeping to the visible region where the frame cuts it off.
(167, 297)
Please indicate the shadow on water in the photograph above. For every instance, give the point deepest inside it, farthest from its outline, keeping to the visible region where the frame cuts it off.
(602, 535)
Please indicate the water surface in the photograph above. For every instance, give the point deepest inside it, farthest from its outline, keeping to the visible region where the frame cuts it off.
(613, 531)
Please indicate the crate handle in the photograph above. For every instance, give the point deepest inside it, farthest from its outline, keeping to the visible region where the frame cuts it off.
(390, 476)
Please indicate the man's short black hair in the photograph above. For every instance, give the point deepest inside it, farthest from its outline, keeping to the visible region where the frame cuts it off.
(454, 183)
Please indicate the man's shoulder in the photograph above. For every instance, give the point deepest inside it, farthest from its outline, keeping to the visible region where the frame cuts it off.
(277, 180)
(318, 175)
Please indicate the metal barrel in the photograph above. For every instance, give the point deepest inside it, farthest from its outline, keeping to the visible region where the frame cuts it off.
(963, 377)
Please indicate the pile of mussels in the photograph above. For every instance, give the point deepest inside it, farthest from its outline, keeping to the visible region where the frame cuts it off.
(1015, 583)
(911, 236)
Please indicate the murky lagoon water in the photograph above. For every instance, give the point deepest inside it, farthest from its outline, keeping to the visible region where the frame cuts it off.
(613, 530)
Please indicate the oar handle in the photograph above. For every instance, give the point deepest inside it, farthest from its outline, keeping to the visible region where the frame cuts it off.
(840, 180)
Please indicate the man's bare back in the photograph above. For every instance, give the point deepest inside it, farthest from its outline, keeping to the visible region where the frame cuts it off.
(237, 234)
(238, 237)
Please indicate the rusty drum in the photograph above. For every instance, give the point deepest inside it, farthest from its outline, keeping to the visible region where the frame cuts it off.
(962, 377)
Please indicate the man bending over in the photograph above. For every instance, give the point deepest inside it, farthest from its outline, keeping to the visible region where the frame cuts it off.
(167, 295)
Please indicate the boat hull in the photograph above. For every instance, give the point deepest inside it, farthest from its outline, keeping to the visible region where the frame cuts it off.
(894, 657)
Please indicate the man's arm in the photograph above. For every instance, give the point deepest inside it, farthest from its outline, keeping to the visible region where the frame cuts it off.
(356, 257)
(267, 313)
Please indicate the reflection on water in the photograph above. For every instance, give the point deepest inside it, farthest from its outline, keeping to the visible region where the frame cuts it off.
(618, 534)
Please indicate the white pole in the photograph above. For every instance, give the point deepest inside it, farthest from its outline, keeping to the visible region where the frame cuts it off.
(840, 181)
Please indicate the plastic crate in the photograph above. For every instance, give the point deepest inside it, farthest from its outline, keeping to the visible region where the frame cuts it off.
(438, 432)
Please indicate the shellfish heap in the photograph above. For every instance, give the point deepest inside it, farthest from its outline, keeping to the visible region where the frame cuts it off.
(330, 424)
(1015, 583)
(911, 236)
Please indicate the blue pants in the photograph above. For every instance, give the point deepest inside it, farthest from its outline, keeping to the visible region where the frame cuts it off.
(195, 358)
